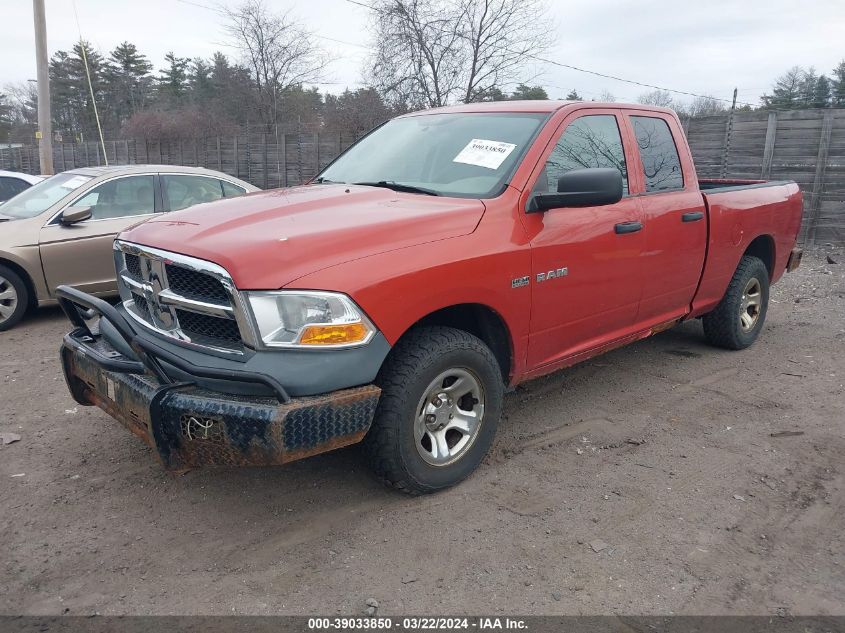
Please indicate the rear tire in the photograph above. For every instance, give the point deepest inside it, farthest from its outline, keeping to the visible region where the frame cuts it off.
(440, 404)
(737, 320)
(14, 298)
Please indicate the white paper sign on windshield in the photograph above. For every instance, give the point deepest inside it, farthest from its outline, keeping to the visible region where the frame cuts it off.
(484, 153)
(76, 181)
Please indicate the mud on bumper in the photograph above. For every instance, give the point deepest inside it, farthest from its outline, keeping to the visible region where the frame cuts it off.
(189, 426)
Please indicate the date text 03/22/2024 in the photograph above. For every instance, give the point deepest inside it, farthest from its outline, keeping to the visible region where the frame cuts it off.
(417, 624)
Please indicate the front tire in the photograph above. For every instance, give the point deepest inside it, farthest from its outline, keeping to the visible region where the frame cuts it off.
(14, 298)
(440, 404)
(737, 320)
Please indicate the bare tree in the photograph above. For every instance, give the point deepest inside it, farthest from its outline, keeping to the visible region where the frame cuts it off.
(278, 51)
(659, 98)
(502, 36)
(703, 106)
(434, 52)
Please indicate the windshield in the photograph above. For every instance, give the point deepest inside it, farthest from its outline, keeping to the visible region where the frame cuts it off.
(464, 155)
(40, 197)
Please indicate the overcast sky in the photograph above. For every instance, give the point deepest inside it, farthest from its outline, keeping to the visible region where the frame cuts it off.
(701, 47)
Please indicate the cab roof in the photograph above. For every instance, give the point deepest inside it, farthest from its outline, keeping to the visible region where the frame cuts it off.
(536, 106)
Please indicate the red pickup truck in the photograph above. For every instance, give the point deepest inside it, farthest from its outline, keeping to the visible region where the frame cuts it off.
(446, 256)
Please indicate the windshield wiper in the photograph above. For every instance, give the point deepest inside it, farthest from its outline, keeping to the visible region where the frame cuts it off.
(398, 186)
(324, 181)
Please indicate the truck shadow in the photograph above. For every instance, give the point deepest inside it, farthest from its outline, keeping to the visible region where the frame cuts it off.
(303, 485)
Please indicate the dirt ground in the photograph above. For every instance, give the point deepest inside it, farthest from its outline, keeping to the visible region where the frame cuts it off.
(665, 456)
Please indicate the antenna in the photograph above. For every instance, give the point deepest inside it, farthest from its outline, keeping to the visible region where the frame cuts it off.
(90, 86)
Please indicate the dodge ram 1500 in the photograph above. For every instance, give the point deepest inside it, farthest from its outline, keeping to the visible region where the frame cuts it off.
(445, 257)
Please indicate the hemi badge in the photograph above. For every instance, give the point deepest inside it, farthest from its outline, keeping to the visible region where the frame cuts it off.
(519, 282)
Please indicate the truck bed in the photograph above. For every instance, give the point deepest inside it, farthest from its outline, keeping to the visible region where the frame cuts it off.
(719, 184)
(739, 212)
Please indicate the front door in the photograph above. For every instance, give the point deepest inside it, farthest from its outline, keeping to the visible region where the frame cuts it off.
(80, 255)
(585, 261)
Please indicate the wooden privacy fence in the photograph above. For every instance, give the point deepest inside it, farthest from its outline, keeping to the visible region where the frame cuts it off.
(257, 158)
(807, 146)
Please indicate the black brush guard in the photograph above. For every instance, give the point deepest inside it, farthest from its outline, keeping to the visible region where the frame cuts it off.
(190, 426)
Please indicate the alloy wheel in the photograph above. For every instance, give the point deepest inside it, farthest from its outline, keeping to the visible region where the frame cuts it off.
(449, 416)
(8, 299)
(750, 304)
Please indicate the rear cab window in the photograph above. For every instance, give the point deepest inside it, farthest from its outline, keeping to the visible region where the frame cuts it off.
(658, 153)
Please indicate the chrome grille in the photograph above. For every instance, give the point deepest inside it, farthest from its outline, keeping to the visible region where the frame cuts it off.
(182, 297)
(143, 308)
(195, 285)
(133, 265)
(208, 330)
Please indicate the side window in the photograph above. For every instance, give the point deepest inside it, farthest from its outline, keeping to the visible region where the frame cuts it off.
(10, 187)
(186, 191)
(589, 141)
(658, 153)
(119, 198)
(230, 190)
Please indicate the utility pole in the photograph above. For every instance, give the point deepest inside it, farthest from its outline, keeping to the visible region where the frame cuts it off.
(733, 105)
(45, 128)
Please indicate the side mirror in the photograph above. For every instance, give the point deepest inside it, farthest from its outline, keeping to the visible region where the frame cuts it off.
(591, 187)
(73, 215)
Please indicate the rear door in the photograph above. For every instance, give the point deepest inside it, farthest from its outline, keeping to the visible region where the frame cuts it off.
(674, 216)
(585, 261)
(80, 255)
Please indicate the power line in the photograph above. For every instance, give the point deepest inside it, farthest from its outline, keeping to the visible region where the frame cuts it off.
(629, 81)
(201, 6)
(592, 72)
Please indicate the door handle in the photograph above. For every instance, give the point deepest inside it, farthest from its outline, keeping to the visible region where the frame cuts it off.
(628, 227)
(692, 216)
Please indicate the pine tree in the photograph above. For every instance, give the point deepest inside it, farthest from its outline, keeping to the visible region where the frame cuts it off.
(574, 96)
(233, 89)
(787, 91)
(87, 122)
(533, 93)
(127, 83)
(173, 80)
(808, 88)
(72, 108)
(63, 93)
(6, 118)
(838, 89)
(200, 85)
(821, 94)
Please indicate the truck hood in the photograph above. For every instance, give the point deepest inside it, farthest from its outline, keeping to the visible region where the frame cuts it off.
(268, 239)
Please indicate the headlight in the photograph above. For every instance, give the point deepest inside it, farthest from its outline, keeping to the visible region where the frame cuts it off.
(308, 319)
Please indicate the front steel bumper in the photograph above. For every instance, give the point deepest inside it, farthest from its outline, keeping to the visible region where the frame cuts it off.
(189, 426)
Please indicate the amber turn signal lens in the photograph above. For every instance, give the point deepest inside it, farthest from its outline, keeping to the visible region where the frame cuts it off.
(334, 334)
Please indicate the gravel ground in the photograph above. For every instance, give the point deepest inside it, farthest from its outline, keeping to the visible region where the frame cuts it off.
(665, 477)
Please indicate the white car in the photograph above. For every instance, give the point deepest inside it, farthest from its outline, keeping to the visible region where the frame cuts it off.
(13, 182)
